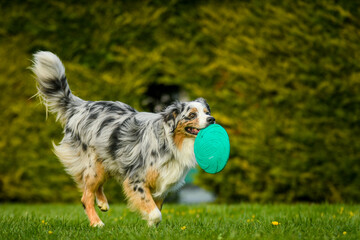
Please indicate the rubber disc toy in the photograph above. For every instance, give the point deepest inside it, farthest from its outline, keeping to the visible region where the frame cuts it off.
(212, 148)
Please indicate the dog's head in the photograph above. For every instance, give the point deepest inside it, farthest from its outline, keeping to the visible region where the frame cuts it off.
(186, 119)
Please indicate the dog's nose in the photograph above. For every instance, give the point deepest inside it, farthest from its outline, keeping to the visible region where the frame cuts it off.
(210, 120)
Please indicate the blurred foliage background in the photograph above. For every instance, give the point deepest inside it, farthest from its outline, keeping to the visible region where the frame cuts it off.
(283, 77)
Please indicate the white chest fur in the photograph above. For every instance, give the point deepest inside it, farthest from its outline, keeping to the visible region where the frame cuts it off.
(173, 172)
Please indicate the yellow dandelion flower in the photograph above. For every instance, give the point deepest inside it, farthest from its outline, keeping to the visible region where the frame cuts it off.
(42, 221)
(50, 232)
(248, 220)
(275, 223)
(344, 233)
(253, 216)
(183, 227)
(351, 214)
(341, 210)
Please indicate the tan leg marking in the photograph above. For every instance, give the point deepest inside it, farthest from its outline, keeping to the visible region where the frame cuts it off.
(93, 178)
(137, 200)
(150, 180)
(101, 199)
(159, 203)
(140, 198)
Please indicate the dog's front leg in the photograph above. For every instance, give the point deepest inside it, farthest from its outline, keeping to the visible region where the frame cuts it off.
(159, 203)
(140, 199)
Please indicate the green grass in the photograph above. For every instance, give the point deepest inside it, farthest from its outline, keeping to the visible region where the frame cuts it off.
(243, 221)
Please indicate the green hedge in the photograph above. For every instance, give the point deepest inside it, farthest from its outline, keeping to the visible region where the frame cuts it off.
(283, 77)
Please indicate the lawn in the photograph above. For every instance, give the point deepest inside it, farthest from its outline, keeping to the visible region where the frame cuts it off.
(242, 221)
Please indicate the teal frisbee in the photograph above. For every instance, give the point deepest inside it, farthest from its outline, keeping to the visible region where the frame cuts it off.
(212, 148)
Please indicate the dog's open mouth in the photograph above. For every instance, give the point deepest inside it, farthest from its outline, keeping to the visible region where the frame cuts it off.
(192, 130)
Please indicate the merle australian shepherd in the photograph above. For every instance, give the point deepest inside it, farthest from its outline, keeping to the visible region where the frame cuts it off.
(148, 153)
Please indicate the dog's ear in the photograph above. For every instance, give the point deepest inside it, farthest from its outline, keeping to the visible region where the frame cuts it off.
(171, 113)
(203, 102)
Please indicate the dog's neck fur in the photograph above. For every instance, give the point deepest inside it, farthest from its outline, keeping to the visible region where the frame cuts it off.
(174, 168)
(185, 156)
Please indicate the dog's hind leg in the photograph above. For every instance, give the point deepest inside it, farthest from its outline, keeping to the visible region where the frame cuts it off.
(93, 177)
(101, 199)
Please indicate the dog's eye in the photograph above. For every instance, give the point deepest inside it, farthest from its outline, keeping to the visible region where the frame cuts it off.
(207, 113)
(192, 115)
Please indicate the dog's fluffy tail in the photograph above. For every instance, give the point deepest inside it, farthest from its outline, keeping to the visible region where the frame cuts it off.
(52, 84)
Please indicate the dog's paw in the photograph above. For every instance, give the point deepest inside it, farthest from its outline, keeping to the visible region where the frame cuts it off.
(99, 224)
(104, 206)
(154, 217)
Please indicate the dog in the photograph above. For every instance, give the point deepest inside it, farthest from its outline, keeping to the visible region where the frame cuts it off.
(148, 153)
